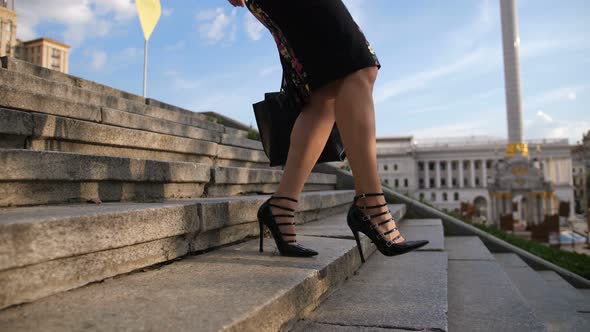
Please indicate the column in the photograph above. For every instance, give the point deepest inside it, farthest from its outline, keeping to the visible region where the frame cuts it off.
(426, 174)
(484, 173)
(545, 170)
(460, 173)
(557, 171)
(472, 172)
(449, 174)
(437, 173)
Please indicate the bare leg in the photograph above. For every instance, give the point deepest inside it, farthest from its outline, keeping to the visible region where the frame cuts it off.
(308, 138)
(355, 117)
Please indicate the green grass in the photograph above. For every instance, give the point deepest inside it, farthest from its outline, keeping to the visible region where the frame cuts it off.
(253, 134)
(574, 262)
(577, 263)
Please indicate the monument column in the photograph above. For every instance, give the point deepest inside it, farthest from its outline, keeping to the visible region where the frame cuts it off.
(511, 46)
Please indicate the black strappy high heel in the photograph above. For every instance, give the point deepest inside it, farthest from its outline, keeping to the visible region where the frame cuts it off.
(358, 221)
(265, 217)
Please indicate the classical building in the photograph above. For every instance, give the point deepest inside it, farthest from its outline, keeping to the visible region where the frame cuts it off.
(448, 171)
(580, 168)
(46, 53)
(43, 52)
(7, 29)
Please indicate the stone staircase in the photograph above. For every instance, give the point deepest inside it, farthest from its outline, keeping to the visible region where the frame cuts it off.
(124, 213)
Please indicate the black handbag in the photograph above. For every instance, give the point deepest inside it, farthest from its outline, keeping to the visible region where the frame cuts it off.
(275, 117)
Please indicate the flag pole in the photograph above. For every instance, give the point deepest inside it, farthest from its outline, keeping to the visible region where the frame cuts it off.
(145, 59)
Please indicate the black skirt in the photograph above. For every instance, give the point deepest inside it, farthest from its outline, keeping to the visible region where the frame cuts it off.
(318, 42)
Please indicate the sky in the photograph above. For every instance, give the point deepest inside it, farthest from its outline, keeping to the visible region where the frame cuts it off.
(441, 75)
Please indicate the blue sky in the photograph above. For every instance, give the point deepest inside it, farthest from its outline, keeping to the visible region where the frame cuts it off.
(441, 72)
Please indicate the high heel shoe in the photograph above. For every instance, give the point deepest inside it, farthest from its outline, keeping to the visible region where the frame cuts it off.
(266, 218)
(359, 222)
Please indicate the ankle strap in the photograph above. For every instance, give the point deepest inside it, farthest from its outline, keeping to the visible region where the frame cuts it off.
(367, 194)
(284, 197)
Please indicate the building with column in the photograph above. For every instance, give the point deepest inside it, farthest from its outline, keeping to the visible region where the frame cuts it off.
(448, 171)
(43, 52)
(7, 29)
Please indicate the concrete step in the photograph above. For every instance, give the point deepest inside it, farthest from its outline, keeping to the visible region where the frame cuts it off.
(234, 288)
(56, 133)
(39, 82)
(400, 293)
(558, 309)
(29, 177)
(481, 295)
(48, 249)
(424, 229)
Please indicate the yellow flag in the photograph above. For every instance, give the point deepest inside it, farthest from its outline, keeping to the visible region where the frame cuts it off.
(149, 12)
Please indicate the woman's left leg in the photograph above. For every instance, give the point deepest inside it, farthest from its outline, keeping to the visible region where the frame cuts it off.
(308, 138)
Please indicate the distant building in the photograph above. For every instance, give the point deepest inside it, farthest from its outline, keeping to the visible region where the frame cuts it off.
(448, 171)
(46, 53)
(7, 29)
(43, 52)
(580, 169)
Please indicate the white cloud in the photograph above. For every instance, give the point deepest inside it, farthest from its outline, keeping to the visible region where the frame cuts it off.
(477, 128)
(253, 27)
(98, 59)
(81, 18)
(544, 116)
(167, 12)
(214, 25)
(421, 80)
(177, 82)
(566, 93)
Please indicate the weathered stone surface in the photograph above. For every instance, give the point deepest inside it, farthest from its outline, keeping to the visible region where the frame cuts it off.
(305, 326)
(22, 193)
(222, 190)
(478, 286)
(555, 280)
(482, 298)
(466, 248)
(232, 152)
(558, 309)
(236, 132)
(18, 164)
(50, 144)
(235, 140)
(234, 288)
(424, 229)
(169, 107)
(336, 225)
(138, 121)
(15, 122)
(24, 100)
(27, 68)
(241, 163)
(240, 175)
(83, 131)
(30, 235)
(33, 282)
(406, 292)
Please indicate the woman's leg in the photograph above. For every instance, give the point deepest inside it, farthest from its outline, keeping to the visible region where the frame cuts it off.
(308, 138)
(355, 117)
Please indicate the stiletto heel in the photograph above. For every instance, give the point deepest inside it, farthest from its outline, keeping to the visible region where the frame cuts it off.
(358, 245)
(261, 232)
(266, 218)
(358, 221)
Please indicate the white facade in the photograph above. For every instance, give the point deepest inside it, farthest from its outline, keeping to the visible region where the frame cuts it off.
(449, 171)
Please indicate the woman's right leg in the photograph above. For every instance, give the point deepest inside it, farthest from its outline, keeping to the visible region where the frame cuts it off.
(355, 117)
